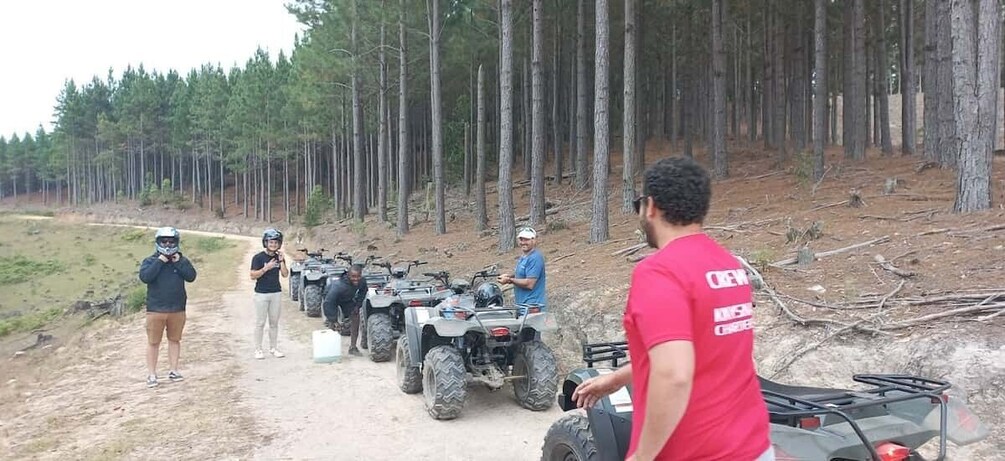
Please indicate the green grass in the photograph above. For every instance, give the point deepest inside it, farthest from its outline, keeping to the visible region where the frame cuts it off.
(46, 265)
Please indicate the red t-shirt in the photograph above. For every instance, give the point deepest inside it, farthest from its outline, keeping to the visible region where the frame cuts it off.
(695, 290)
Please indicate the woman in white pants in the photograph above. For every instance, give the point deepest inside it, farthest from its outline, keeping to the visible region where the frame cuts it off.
(266, 267)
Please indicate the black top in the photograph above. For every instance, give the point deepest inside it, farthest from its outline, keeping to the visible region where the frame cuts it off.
(166, 283)
(268, 282)
(345, 296)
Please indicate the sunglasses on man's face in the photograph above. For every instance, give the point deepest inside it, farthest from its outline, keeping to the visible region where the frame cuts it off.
(637, 203)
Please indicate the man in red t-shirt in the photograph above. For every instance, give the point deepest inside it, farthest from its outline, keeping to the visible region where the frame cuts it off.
(689, 325)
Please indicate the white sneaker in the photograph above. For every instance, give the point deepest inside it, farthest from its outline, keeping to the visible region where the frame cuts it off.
(275, 353)
(259, 354)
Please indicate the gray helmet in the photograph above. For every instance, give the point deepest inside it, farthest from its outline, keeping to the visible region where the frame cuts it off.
(271, 234)
(488, 294)
(459, 286)
(167, 240)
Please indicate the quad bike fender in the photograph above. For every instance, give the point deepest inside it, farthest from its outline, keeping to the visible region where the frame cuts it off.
(963, 427)
(541, 322)
(413, 331)
(610, 418)
(314, 276)
(449, 328)
(380, 301)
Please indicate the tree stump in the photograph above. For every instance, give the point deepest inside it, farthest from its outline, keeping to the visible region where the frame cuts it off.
(805, 256)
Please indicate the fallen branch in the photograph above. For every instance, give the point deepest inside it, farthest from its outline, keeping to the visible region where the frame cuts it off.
(931, 232)
(553, 210)
(813, 191)
(881, 218)
(829, 205)
(889, 267)
(562, 257)
(981, 307)
(811, 347)
(766, 175)
(883, 300)
(759, 281)
(823, 254)
(630, 250)
(959, 233)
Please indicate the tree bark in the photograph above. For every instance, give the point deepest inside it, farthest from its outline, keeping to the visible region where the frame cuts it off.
(359, 179)
(820, 92)
(881, 75)
(629, 126)
(437, 116)
(481, 217)
(404, 152)
(930, 140)
(975, 91)
(599, 229)
(581, 168)
(537, 119)
(382, 130)
(720, 158)
(908, 116)
(507, 237)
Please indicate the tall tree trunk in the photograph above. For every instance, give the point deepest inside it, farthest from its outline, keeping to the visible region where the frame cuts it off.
(581, 168)
(930, 87)
(908, 95)
(947, 126)
(556, 122)
(481, 217)
(628, 128)
(404, 143)
(719, 155)
(382, 130)
(437, 117)
(537, 118)
(882, 74)
(820, 90)
(975, 93)
(855, 119)
(779, 90)
(359, 177)
(507, 232)
(526, 120)
(599, 229)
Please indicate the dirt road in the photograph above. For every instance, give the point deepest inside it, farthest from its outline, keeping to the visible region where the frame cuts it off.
(85, 398)
(354, 409)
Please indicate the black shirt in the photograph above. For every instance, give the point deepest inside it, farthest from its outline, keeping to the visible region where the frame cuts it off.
(268, 282)
(345, 296)
(166, 283)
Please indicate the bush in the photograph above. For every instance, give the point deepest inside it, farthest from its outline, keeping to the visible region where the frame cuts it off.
(137, 299)
(29, 322)
(317, 204)
(211, 244)
(17, 269)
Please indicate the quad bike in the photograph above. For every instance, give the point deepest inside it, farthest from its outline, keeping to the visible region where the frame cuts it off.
(471, 337)
(316, 277)
(295, 269)
(384, 308)
(886, 421)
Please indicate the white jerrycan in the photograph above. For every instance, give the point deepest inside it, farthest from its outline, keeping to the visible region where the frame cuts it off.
(327, 346)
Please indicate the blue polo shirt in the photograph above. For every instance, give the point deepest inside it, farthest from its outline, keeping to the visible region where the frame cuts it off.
(530, 266)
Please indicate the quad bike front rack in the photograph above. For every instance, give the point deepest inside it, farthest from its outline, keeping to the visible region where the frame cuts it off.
(908, 388)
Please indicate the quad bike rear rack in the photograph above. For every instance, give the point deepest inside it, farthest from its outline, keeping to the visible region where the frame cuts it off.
(613, 352)
(905, 387)
(838, 403)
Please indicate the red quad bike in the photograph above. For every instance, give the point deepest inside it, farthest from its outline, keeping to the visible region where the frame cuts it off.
(887, 420)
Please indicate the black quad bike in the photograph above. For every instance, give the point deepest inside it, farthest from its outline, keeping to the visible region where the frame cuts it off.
(384, 308)
(316, 276)
(471, 337)
(887, 420)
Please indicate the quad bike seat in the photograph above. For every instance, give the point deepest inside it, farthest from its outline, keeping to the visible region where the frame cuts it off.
(802, 392)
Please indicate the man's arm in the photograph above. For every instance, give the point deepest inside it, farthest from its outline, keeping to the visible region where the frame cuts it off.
(592, 390)
(186, 269)
(149, 269)
(671, 375)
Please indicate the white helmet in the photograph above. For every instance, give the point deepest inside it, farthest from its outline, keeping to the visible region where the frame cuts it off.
(162, 238)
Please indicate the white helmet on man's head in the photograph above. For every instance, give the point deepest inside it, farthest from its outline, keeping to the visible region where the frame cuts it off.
(167, 240)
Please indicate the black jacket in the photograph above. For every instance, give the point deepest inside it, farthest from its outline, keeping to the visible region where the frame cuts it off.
(344, 296)
(166, 283)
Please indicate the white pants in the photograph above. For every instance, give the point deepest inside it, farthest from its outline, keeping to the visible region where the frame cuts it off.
(267, 306)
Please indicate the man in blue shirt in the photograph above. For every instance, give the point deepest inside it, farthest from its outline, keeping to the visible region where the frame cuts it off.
(529, 280)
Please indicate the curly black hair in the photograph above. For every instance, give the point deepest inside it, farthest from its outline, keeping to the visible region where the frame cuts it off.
(679, 187)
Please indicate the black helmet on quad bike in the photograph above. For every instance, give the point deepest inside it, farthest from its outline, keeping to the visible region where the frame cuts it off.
(399, 272)
(166, 241)
(488, 294)
(271, 234)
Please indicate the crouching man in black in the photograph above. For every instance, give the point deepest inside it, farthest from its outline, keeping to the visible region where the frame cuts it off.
(347, 294)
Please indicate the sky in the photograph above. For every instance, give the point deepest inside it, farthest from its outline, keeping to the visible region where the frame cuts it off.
(43, 43)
